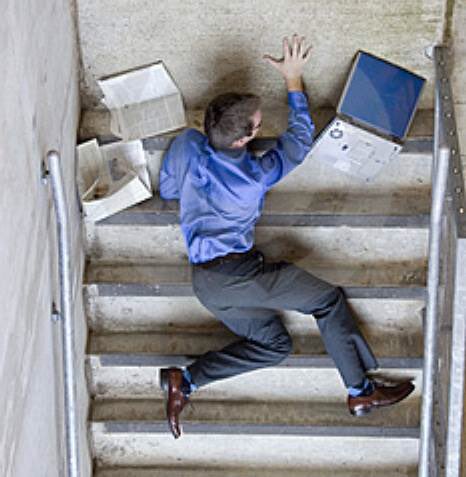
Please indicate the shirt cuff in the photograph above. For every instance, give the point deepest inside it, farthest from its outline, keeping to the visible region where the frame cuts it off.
(298, 100)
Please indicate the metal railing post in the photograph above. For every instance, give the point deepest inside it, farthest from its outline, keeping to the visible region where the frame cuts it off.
(59, 200)
(440, 174)
(440, 449)
(457, 377)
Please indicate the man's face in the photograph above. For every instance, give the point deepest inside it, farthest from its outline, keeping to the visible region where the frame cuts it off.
(256, 119)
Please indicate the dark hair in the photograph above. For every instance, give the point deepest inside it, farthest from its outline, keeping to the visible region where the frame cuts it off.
(228, 118)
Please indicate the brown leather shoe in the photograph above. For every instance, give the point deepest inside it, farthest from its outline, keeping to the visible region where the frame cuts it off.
(171, 380)
(382, 395)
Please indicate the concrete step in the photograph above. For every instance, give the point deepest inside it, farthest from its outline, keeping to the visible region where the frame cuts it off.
(402, 187)
(306, 246)
(297, 378)
(178, 314)
(407, 175)
(402, 280)
(392, 342)
(330, 209)
(95, 123)
(168, 324)
(394, 471)
(291, 413)
(256, 446)
(365, 208)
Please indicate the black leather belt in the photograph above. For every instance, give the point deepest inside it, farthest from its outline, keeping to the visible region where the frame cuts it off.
(226, 258)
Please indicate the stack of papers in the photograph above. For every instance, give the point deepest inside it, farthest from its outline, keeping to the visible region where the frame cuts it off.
(142, 103)
(112, 177)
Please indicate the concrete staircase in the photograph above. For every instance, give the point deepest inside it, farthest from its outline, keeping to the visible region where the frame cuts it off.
(292, 419)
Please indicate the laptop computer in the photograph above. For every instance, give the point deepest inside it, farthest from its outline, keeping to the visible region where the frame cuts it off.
(372, 119)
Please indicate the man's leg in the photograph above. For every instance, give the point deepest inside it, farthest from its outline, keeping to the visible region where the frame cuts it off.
(265, 342)
(252, 284)
(293, 288)
(289, 287)
(243, 294)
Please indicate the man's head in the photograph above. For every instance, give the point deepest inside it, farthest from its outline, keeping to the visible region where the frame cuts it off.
(232, 120)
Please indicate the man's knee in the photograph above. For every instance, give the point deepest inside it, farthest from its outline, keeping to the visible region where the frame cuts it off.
(329, 301)
(320, 306)
(279, 348)
(273, 340)
(332, 297)
(285, 344)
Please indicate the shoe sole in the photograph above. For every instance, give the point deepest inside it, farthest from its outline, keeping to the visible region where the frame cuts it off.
(363, 410)
(164, 378)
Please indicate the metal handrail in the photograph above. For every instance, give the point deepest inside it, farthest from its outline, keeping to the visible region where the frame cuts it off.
(64, 259)
(446, 183)
(430, 335)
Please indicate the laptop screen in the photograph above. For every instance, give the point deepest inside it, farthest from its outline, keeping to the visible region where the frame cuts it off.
(381, 95)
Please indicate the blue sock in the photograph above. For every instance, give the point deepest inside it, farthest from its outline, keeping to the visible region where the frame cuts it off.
(363, 389)
(188, 385)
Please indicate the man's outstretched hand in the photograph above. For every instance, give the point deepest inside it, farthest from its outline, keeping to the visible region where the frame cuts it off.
(291, 66)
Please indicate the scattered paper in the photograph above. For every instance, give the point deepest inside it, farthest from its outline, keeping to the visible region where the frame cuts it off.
(154, 164)
(143, 102)
(112, 177)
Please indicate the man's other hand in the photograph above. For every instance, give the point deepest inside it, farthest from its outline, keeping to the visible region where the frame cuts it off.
(295, 56)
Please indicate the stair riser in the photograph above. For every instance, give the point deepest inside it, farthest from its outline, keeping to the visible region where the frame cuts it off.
(408, 173)
(314, 453)
(309, 413)
(241, 472)
(394, 328)
(145, 314)
(303, 245)
(285, 384)
(413, 199)
(404, 280)
(387, 344)
(384, 345)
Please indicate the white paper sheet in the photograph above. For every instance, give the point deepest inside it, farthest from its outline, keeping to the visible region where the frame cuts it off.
(112, 177)
(143, 102)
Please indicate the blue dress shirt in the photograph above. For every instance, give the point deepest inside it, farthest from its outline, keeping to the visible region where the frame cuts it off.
(221, 193)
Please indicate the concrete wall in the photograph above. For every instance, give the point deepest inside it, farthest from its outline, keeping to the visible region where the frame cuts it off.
(458, 41)
(39, 103)
(214, 46)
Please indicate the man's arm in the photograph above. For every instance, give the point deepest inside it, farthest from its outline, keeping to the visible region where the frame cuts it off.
(176, 162)
(292, 146)
(168, 180)
(291, 66)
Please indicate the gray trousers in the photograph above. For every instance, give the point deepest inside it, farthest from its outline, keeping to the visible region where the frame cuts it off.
(245, 295)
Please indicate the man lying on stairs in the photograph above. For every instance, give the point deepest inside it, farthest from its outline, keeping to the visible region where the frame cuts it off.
(221, 188)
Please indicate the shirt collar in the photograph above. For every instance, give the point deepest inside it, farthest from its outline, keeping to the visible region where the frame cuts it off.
(235, 154)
